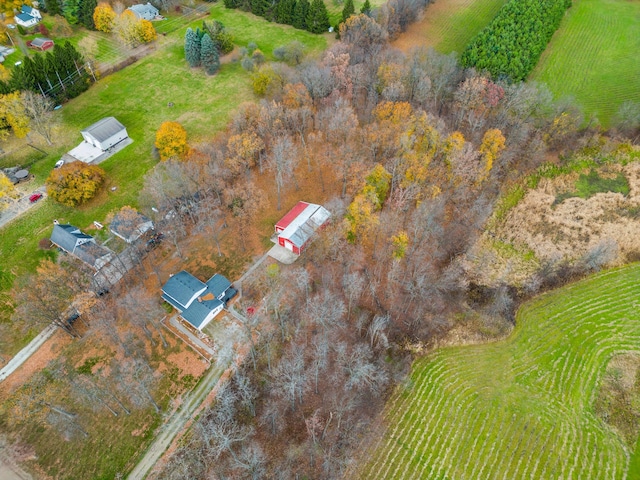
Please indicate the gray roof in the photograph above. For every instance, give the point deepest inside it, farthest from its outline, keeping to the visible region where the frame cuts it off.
(144, 9)
(181, 288)
(217, 285)
(130, 225)
(79, 244)
(67, 237)
(104, 129)
(198, 312)
(39, 42)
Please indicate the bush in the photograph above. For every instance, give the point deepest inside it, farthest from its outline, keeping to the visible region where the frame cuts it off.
(292, 53)
(75, 183)
(510, 46)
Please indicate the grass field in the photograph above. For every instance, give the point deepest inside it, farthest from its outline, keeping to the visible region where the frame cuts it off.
(449, 25)
(523, 407)
(594, 56)
(139, 97)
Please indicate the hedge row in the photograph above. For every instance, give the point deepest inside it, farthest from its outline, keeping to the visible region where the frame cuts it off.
(510, 46)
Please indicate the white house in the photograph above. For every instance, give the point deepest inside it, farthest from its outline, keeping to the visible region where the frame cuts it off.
(105, 133)
(144, 11)
(28, 16)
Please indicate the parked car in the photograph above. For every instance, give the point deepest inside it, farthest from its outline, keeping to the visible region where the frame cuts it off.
(58, 164)
(35, 197)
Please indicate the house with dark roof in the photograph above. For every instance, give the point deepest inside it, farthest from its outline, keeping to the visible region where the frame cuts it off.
(129, 225)
(197, 302)
(28, 16)
(297, 227)
(144, 11)
(80, 245)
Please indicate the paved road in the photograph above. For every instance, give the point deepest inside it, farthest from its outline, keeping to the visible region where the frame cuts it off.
(26, 352)
(20, 206)
(177, 422)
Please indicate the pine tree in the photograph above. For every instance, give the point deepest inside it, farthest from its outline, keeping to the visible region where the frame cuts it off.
(260, 7)
(209, 55)
(53, 7)
(366, 8)
(318, 17)
(300, 13)
(192, 47)
(284, 12)
(85, 13)
(348, 10)
(70, 11)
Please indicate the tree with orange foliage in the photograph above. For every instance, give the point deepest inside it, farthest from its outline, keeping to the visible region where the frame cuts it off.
(243, 151)
(104, 17)
(171, 141)
(75, 183)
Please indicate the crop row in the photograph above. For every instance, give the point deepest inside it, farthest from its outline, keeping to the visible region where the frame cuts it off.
(511, 45)
(521, 408)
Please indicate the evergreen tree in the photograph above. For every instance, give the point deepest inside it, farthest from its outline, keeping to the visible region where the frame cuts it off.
(230, 3)
(284, 11)
(85, 13)
(209, 55)
(300, 13)
(260, 7)
(192, 41)
(70, 10)
(53, 7)
(348, 10)
(366, 8)
(318, 17)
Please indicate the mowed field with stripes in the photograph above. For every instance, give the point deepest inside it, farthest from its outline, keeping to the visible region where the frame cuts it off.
(521, 408)
(595, 56)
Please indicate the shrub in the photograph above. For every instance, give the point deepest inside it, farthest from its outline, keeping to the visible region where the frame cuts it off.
(510, 46)
(75, 183)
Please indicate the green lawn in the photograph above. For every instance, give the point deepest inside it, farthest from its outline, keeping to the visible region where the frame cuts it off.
(523, 407)
(594, 56)
(139, 97)
(449, 25)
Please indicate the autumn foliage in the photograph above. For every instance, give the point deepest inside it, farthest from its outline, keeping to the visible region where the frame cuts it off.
(171, 140)
(104, 17)
(75, 183)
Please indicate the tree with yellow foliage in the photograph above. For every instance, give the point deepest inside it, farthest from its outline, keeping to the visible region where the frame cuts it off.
(490, 148)
(400, 242)
(243, 152)
(145, 31)
(75, 183)
(7, 190)
(13, 115)
(171, 141)
(104, 17)
(361, 214)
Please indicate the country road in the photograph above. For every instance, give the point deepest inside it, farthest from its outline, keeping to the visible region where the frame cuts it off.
(24, 354)
(170, 429)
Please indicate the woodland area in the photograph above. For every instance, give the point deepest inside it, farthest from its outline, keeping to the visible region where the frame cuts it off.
(409, 153)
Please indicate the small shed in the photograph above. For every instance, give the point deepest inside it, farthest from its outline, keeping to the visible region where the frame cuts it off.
(41, 43)
(144, 11)
(297, 227)
(105, 133)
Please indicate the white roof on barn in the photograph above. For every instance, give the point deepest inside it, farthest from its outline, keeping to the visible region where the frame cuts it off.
(104, 129)
(85, 152)
(304, 225)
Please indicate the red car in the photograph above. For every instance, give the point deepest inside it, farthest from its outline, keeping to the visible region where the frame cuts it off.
(35, 197)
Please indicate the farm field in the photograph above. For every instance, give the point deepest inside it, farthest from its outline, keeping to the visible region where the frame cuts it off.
(594, 56)
(523, 407)
(449, 25)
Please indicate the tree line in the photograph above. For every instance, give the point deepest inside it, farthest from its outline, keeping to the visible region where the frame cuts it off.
(510, 46)
(302, 14)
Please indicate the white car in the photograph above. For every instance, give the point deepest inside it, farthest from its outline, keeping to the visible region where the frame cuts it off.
(59, 163)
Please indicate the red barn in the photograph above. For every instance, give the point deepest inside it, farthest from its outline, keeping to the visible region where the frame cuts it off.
(41, 44)
(297, 227)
